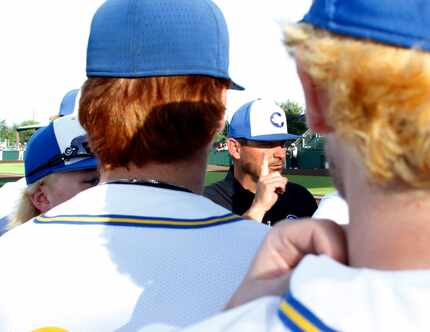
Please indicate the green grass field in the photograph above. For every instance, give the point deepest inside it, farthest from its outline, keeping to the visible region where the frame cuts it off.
(317, 185)
(12, 168)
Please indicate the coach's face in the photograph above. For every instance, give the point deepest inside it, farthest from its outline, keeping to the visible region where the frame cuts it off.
(249, 156)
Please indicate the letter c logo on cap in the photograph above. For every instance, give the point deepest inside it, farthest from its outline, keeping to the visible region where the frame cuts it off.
(276, 120)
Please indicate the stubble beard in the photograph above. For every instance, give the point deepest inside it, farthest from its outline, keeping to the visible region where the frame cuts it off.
(253, 172)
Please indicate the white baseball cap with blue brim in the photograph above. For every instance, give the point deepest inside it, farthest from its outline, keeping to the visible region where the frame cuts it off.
(260, 120)
(59, 147)
(145, 38)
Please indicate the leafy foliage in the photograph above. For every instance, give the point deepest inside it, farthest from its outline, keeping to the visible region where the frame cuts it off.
(295, 117)
(24, 136)
(9, 133)
(222, 135)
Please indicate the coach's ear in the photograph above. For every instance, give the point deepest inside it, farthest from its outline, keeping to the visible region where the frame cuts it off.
(40, 199)
(233, 148)
(316, 103)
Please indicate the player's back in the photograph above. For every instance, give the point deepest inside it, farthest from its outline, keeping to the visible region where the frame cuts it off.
(128, 255)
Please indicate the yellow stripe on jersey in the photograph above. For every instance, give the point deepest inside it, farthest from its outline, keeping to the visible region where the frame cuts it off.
(299, 320)
(140, 221)
(50, 329)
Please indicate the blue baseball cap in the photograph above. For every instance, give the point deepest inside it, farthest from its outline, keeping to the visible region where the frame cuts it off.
(69, 103)
(394, 22)
(144, 38)
(260, 120)
(59, 147)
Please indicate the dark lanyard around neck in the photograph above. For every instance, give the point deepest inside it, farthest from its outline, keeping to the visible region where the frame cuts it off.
(149, 183)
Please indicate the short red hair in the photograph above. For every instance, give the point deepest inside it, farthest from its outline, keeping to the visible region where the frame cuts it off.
(151, 119)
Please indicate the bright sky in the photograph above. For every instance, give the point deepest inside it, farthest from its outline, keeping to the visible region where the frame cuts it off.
(44, 44)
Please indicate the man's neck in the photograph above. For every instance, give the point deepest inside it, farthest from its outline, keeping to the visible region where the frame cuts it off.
(246, 180)
(186, 174)
(389, 228)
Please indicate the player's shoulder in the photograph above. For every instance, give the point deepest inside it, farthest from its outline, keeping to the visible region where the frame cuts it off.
(297, 189)
(238, 223)
(221, 193)
(221, 185)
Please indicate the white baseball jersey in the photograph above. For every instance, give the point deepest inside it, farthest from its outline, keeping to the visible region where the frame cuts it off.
(327, 296)
(119, 256)
(332, 206)
(10, 194)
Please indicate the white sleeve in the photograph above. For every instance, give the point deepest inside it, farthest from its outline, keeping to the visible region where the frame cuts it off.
(258, 316)
(333, 207)
(10, 195)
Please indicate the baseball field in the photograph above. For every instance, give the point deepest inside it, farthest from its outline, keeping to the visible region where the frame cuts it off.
(10, 170)
(317, 185)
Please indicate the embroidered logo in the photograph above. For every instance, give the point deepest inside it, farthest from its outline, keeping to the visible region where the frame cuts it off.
(276, 119)
(79, 145)
(292, 217)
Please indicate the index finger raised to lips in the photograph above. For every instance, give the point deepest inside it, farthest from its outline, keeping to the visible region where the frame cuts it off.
(264, 171)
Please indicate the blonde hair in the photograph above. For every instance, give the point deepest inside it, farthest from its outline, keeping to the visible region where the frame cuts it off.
(379, 100)
(25, 209)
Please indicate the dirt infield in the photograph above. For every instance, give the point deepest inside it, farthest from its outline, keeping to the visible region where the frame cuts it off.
(10, 177)
(217, 168)
(11, 161)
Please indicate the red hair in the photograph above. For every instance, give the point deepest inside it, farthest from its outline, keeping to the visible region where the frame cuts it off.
(152, 119)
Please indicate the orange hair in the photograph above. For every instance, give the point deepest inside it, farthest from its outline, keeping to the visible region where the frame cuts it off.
(152, 119)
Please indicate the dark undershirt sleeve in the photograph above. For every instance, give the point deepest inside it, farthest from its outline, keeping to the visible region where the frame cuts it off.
(311, 204)
(219, 195)
(297, 202)
(305, 201)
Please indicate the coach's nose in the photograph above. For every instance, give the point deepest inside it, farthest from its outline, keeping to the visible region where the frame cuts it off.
(279, 152)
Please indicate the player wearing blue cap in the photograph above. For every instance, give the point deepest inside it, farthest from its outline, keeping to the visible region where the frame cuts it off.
(58, 165)
(144, 242)
(254, 186)
(365, 70)
(22, 194)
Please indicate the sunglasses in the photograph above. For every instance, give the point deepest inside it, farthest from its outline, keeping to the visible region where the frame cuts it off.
(78, 149)
(262, 144)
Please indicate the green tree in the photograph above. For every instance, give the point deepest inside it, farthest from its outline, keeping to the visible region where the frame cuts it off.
(7, 133)
(3, 130)
(222, 135)
(25, 135)
(295, 117)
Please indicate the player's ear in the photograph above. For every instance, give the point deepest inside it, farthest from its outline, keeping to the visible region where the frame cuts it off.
(316, 103)
(233, 148)
(40, 199)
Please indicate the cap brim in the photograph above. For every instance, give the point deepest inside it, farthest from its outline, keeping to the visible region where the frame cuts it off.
(273, 137)
(87, 163)
(235, 86)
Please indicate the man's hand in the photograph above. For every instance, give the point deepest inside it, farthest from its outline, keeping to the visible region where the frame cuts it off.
(283, 248)
(268, 187)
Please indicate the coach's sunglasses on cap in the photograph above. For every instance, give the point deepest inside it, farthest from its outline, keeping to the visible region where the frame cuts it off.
(78, 149)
